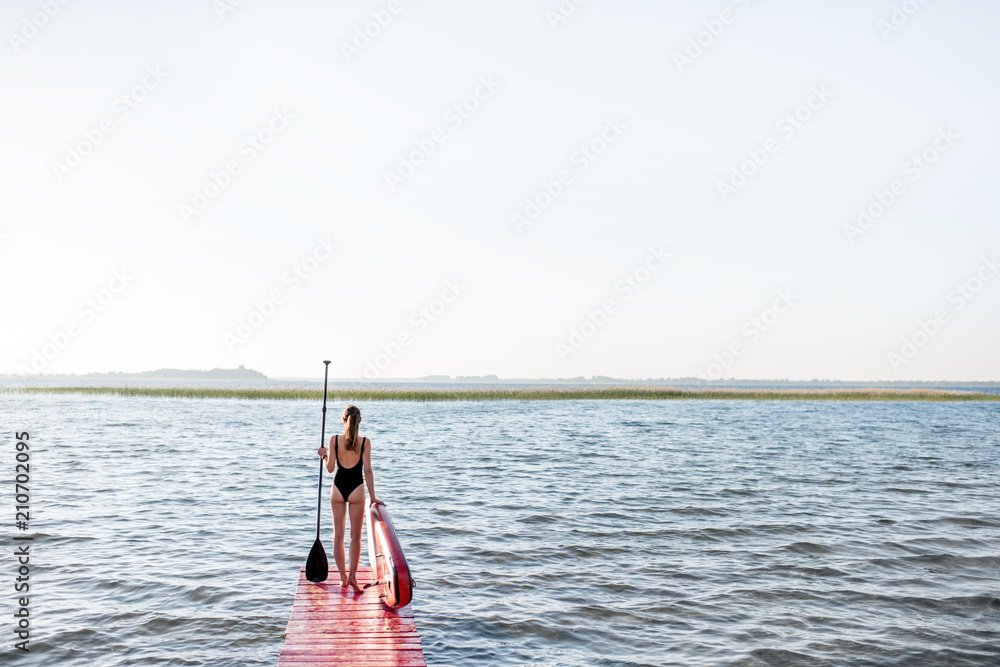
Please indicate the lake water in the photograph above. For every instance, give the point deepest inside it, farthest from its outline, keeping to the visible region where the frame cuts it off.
(611, 533)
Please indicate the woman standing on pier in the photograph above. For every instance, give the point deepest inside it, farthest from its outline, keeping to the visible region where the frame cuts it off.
(348, 490)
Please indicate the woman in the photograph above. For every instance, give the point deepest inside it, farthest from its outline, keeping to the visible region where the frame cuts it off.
(352, 456)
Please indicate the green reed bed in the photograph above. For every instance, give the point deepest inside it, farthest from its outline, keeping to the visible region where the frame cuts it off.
(383, 393)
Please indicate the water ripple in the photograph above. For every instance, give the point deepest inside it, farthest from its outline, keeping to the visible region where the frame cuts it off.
(620, 533)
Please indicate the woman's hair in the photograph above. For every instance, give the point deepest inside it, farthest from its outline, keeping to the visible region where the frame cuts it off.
(353, 416)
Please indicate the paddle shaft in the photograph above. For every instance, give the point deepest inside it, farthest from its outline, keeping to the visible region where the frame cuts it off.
(322, 443)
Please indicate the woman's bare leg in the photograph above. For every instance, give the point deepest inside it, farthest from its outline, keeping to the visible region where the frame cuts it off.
(357, 508)
(339, 514)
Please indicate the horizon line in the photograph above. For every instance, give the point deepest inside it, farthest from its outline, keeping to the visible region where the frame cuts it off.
(485, 379)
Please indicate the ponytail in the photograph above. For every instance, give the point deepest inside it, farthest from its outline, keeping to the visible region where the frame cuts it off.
(353, 416)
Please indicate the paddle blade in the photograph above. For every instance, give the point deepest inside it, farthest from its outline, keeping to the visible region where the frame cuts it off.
(317, 567)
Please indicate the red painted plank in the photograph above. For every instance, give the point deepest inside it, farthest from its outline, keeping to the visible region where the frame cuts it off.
(388, 660)
(356, 653)
(345, 613)
(337, 624)
(387, 638)
(367, 607)
(354, 632)
(348, 662)
(391, 659)
(313, 649)
(342, 626)
(323, 623)
(367, 642)
(368, 625)
(372, 611)
(343, 640)
(331, 623)
(375, 607)
(408, 657)
(355, 649)
(306, 592)
(409, 635)
(389, 641)
(361, 662)
(401, 657)
(372, 649)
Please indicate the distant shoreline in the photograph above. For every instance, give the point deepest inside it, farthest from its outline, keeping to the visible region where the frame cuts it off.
(382, 393)
(248, 375)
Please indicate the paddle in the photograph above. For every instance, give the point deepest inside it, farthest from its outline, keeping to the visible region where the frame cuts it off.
(317, 566)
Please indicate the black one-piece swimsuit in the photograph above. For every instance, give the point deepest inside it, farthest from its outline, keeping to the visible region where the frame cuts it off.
(348, 479)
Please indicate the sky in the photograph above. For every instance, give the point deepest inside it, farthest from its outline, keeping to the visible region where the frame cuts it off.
(635, 189)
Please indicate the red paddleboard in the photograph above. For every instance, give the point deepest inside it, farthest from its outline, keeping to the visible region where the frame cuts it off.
(389, 568)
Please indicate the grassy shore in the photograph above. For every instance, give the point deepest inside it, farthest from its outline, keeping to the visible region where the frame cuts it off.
(383, 393)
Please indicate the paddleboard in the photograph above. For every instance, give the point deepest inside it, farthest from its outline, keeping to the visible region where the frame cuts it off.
(389, 568)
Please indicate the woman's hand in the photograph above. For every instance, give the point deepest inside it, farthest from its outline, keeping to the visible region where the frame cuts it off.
(322, 452)
(376, 501)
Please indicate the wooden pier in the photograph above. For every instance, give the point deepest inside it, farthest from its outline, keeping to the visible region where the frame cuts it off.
(331, 626)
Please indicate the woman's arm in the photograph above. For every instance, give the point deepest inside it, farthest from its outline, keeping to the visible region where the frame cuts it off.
(324, 454)
(370, 476)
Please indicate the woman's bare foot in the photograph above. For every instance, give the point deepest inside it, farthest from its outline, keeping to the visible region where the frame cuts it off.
(353, 583)
(343, 581)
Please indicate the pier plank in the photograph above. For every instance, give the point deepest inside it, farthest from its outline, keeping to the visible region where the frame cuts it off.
(331, 626)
